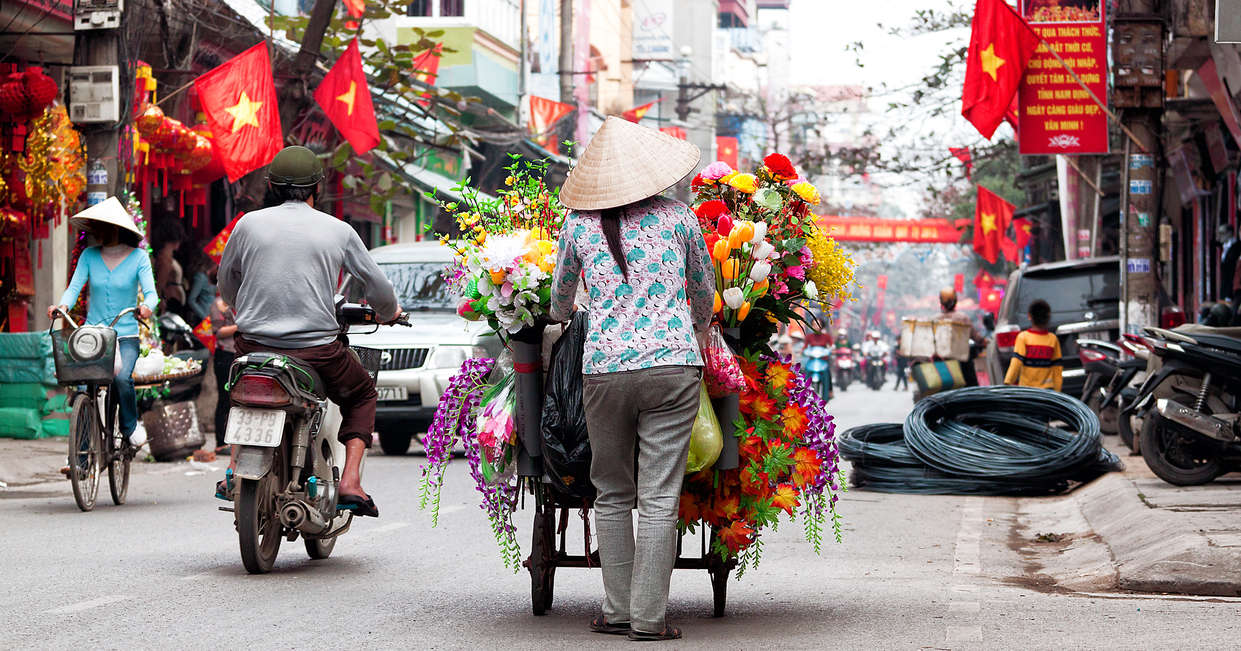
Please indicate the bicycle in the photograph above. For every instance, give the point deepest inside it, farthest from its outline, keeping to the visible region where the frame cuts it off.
(86, 357)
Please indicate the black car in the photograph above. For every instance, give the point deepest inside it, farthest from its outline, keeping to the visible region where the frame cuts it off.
(1085, 302)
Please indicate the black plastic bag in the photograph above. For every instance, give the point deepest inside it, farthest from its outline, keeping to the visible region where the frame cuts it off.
(566, 447)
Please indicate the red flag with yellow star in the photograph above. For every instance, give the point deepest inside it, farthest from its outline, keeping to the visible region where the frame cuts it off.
(991, 217)
(636, 113)
(346, 99)
(239, 99)
(1001, 44)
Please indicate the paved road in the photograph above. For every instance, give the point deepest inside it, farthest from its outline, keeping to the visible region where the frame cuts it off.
(913, 572)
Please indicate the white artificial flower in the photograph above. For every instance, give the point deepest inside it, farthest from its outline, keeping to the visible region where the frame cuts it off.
(760, 231)
(810, 290)
(759, 272)
(764, 251)
(734, 297)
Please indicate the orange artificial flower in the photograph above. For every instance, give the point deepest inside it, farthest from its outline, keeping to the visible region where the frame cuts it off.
(746, 228)
(758, 406)
(806, 466)
(690, 509)
(721, 250)
(736, 536)
(778, 376)
(754, 483)
(498, 276)
(718, 305)
(730, 268)
(743, 311)
(735, 239)
(794, 421)
(751, 449)
(728, 507)
(785, 498)
(760, 288)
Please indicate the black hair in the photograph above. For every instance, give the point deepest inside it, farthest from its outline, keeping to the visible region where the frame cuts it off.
(128, 237)
(610, 219)
(290, 193)
(1040, 313)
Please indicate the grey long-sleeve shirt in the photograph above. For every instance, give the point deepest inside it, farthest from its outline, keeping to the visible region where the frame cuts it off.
(280, 272)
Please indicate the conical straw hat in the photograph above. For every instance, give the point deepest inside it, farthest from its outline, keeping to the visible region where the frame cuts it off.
(109, 211)
(626, 162)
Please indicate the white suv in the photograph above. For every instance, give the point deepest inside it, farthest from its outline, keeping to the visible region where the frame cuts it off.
(416, 363)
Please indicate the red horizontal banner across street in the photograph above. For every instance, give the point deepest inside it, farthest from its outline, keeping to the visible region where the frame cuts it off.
(866, 229)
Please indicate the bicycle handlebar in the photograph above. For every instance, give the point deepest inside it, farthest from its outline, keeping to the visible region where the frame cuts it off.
(68, 317)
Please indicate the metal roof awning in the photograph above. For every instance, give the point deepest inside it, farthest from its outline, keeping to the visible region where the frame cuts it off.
(429, 181)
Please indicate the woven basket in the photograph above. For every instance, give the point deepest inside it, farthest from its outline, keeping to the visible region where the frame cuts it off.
(172, 429)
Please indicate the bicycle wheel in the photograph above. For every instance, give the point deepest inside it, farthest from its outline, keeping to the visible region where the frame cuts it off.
(84, 451)
(119, 453)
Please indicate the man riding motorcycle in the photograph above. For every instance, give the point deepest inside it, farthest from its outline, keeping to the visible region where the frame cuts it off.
(280, 272)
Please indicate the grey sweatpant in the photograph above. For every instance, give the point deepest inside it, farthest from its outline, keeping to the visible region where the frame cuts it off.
(647, 415)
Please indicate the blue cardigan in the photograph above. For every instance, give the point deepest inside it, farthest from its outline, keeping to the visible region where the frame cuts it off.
(113, 290)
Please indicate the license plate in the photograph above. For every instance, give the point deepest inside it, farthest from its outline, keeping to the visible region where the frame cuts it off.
(392, 393)
(248, 426)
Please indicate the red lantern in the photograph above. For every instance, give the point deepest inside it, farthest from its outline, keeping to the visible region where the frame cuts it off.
(200, 156)
(14, 98)
(41, 89)
(149, 120)
(165, 136)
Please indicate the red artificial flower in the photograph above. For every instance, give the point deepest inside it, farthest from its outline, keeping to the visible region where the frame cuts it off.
(751, 449)
(780, 166)
(727, 508)
(724, 226)
(754, 483)
(806, 466)
(736, 536)
(758, 406)
(785, 498)
(696, 182)
(711, 239)
(690, 509)
(712, 210)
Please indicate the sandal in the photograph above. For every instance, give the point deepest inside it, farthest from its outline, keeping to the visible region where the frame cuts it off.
(601, 625)
(358, 504)
(669, 633)
(224, 487)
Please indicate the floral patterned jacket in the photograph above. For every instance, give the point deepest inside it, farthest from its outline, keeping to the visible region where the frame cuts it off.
(650, 320)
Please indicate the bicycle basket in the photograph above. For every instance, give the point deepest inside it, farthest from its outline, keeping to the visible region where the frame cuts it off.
(87, 354)
(370, 360)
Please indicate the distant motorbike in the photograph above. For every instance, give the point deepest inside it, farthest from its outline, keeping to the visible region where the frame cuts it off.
(876, 368)
(289, 459)
(846, 368)
(1191, 405)
(817, 368)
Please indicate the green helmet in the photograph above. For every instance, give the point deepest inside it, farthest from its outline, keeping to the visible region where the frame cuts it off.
(296, 167)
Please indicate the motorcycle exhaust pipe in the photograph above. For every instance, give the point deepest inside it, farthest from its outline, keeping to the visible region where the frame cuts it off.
(297, 515)
(1207, 425)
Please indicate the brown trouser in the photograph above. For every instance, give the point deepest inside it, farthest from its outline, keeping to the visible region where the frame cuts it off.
(347, 383)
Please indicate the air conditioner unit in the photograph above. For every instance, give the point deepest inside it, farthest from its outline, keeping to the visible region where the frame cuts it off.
(97, 14)
(1228, 21)
(93, 94)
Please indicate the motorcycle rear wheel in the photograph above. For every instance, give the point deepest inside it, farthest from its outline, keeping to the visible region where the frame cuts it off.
(1175, 456)
(258, 525)
(319, 548)
(1108, 417)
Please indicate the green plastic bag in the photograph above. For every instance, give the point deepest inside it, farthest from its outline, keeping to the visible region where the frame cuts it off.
(707, 438)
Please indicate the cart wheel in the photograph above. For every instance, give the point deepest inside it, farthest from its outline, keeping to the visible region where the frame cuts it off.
(541, 564)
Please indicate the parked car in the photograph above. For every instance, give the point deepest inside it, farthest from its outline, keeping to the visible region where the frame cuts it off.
(416, 363)
(1085, 302)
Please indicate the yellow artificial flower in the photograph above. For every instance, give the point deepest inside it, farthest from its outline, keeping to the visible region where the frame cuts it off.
(746, 183)
(832, 270)
(510, 181)
(729, 176)
(807, 192)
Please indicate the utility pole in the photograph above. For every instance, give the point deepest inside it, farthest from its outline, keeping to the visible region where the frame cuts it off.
(1137, 49)
(523, 66)
(566, 51)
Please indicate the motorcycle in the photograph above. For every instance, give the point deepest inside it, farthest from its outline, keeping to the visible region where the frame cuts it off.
(817, 368)
(876, 368)
(845, 368)
(288, 456)
(1131, 372)
(1191, 405)
(1101, 361)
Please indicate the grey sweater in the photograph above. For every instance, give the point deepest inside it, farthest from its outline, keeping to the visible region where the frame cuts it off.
(281, 269)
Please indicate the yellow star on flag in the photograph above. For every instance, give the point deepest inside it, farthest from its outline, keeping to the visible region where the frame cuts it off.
(347, 96)
(988, 223)
(244, 112)
(990, 62)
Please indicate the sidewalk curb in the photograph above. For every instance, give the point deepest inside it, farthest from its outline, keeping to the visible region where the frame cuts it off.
(1152, 550)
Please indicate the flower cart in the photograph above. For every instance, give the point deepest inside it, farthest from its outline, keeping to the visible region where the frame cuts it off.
(777, 455)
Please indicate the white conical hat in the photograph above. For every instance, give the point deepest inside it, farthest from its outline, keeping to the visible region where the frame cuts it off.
(624, 163)
(108, 211)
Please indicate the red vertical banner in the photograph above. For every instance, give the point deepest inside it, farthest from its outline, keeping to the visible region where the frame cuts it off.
(1057, 115)
(726, 150)
(958, 283)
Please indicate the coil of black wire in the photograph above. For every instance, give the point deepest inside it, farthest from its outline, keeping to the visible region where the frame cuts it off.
(997, 440)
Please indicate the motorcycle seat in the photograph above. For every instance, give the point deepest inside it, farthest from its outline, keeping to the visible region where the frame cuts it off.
(306, 377)
(1197, 329)
(1133, 363)
(1217, 341)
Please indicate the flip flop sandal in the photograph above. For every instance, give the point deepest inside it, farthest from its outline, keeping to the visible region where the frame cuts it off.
(669, 633)
(224, 487)
(601, 625)
(358, 504)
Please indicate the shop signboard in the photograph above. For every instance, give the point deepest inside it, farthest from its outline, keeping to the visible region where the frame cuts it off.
(1057, 115)
(652, 31)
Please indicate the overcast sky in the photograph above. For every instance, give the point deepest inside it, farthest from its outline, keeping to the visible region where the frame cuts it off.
(821, 29)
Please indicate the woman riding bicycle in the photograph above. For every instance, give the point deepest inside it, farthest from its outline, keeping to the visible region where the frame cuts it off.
(114, 270)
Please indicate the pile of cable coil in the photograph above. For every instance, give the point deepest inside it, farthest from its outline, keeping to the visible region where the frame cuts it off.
(995, 440)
